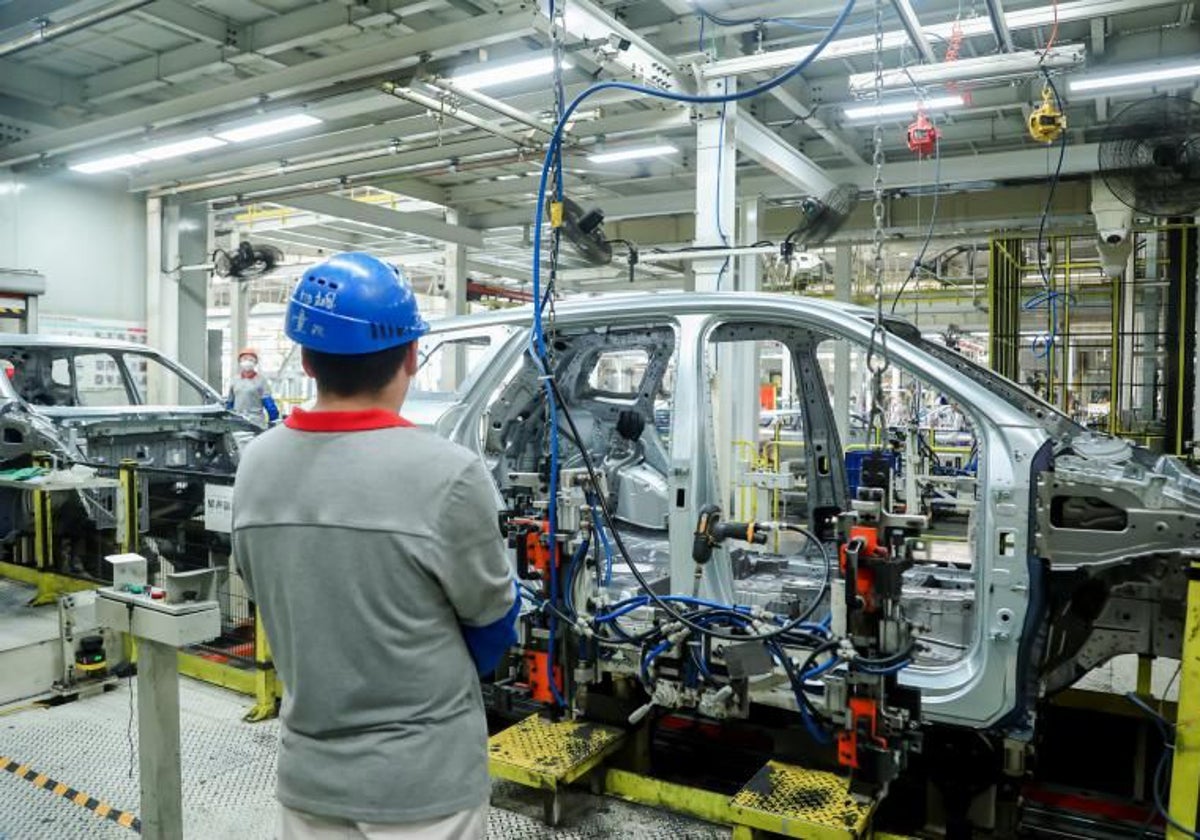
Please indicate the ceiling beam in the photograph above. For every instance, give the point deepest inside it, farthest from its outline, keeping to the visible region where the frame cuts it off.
(26, 13)
(262, 38)
(996, 14)
(324, 139)
(343, 135)
(188, 20)
(912, 27)
(381, 163)
(522, 275)
(826, 132)
(588, 22)
(416, 188)
(27, 111)
(384, 161)
(769, 150)
(894, 39)
(159, 70)
(383, 217)
(996, 166)
(405, 51)
(39, 86)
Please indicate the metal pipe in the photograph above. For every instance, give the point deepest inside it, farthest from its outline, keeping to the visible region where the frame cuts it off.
(49, 31)
(490, 103)
(704, 253)
(440, 107)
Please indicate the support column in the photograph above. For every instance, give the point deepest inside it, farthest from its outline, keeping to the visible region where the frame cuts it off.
(738, 409)
(191, 309)
(745, 411)
(154, 293)
(239, 324)
(842, 261)
(176, 301)
(158, 741)
(716, 187)
(716, 206)
(454, 286)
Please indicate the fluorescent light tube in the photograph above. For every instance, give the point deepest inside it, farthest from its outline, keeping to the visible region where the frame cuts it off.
(267, 128)
(1137, 77)
(179, 148)
(907, 106)
(108, 164)
(505, 73)
(633, 154)
(984, 68)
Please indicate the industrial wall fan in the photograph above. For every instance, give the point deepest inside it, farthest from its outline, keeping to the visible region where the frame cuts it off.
(820, 218)
(585, 231)
(247, 262)
(1150, 156)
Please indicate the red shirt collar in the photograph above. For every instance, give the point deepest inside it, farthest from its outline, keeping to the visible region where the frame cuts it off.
(344, 421)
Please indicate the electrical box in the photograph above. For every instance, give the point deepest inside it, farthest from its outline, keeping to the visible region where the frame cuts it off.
(185, 613)
(128, 569)
(177, 625)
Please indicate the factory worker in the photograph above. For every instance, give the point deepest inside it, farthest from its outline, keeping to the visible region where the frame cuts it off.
(372, 551)
(249, 393)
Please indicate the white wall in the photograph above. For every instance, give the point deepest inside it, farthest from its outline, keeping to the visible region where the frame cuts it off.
(87, 237)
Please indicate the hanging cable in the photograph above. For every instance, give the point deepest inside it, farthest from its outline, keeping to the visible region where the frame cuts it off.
(1043, 345)
(720, 164)
(919, 262)
(538, 348)
(1169, 731)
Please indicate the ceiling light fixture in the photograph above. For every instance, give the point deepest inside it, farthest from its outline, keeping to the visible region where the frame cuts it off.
(108, 164)
(179, 148)
(633, 154)
(267, 128)
(1133, 78)
(506, 73)
(903, 107)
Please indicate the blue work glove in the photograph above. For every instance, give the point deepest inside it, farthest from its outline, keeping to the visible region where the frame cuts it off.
(488, 643)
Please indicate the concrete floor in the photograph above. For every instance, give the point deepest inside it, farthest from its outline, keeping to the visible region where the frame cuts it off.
(229, 778)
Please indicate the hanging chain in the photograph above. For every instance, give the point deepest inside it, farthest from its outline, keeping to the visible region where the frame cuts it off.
(877, 362)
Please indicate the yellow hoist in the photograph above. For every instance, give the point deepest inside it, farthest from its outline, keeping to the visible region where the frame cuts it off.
(1047, 122)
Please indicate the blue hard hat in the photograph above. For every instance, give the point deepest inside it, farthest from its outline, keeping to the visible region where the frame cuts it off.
(353, 304)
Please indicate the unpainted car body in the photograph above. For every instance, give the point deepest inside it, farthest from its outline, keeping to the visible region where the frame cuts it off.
(1076, 545)
(87, 401)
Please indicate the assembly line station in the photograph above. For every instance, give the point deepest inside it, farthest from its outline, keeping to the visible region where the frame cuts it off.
(832, 364)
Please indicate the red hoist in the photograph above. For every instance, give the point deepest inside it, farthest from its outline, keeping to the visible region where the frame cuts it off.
(922, 135)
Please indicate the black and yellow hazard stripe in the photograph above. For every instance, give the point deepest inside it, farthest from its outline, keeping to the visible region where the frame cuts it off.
(100, 809)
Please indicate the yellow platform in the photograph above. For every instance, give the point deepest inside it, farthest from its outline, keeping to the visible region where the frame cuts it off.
(796, 802)
(544, 754)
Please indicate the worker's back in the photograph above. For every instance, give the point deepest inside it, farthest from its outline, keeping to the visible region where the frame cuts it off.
(351, 543)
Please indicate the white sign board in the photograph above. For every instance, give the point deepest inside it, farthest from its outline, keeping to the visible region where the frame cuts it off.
(218, 508)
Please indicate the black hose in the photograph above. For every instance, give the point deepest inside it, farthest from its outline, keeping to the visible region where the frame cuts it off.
(659, 602)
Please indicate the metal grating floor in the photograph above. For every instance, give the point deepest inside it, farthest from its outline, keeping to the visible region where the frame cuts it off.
(229, 778)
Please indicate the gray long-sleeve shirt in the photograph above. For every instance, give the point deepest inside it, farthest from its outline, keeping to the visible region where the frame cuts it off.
(364, 551)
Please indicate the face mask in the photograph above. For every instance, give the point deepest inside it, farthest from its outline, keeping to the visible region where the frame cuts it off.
(246, 365)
